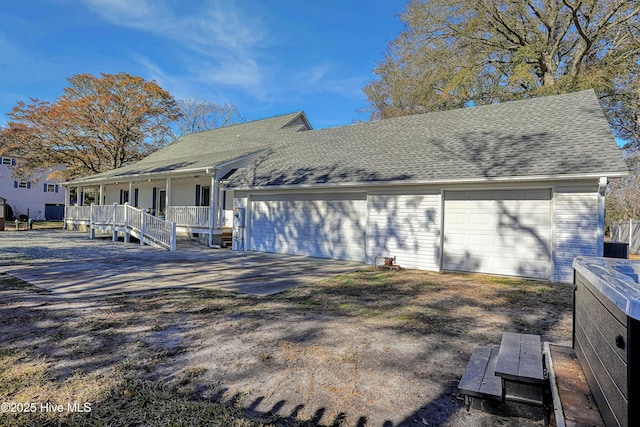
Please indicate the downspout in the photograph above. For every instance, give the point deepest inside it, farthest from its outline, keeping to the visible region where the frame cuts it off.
(602, 188)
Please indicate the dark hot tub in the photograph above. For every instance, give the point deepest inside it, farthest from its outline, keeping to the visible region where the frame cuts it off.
(606, 334)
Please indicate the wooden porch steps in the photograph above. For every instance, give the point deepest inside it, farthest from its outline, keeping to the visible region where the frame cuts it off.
(511, 376)
(479, 379)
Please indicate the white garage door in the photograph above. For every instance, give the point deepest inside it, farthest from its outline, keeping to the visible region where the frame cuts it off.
(326, 226)
(498, 232)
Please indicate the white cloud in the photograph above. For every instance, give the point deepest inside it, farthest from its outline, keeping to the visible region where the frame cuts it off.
(220, 48)
(219, 24)
(318, 79)
(221, 36)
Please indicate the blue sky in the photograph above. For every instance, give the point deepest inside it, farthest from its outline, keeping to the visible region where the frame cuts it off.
(268, 57)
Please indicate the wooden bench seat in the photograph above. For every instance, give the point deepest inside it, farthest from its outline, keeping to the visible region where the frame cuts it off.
(521, 368)
(520, 358)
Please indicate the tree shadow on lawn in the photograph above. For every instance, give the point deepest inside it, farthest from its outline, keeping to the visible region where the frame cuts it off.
(151, 337)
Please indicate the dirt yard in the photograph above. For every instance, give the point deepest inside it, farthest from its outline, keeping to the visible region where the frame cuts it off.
(374, 348)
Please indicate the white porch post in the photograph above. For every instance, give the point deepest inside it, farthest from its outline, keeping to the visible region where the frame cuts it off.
(130, 191)
(127, 238)
(217, 234)
(220, 211)
(114, 220)
(67, 202)
(92, 231)
(168, 194)
(213, 214)
(211, 210)
(101, 201)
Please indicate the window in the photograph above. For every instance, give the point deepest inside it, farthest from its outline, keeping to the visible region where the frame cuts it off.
(206, 196)
(7, 161)
(124, 196)
(50, 188)
(22, 184)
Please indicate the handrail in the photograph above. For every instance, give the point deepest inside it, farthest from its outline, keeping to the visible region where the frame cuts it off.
(78, 213)
(189, 216)
(152, 230)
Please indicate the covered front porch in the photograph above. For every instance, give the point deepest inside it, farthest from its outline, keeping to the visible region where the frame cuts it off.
(196, 206)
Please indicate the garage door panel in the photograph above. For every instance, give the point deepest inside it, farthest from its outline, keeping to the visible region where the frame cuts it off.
(479, 240)
(505, 232)
(313, 227)
(406, 226)
(481, 220)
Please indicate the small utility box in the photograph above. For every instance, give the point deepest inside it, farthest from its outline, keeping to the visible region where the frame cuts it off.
(3, 210)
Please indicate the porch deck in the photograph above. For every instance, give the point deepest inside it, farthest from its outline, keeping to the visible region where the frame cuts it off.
(127, 221)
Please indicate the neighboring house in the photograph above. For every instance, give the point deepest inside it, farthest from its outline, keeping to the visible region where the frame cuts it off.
(514, 188)
(39, 197)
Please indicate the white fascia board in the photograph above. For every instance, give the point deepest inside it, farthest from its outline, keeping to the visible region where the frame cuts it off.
(159, 175)
(136, 177)
(516, 179)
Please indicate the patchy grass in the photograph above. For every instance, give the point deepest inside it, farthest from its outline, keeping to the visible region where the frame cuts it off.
(171, 357)
(11, 283)
(422, 301)
(114, 398)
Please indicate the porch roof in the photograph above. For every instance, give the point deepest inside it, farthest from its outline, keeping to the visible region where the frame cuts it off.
(206, 150)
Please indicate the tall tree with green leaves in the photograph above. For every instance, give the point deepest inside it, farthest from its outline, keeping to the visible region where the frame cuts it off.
(97, 124)
(454, 53)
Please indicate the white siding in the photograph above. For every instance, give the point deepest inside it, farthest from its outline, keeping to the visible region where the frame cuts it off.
(326, 226)
(32, 199)
(145, 195)
(407, 227)
(111, 193)
(183, 193)
(576, 229)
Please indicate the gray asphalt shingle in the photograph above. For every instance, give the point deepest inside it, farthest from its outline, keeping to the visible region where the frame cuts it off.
(207, 149)
(554, 136)
(562, 135)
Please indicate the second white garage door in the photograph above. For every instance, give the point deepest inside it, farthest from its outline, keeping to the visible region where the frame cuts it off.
(326, 226)
(498, 232)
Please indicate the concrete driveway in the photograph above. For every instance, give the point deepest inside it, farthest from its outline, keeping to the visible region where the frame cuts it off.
(69, 264)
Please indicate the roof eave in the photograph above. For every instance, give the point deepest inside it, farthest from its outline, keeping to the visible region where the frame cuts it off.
(481, 180)
(135, 177)
(159, 175)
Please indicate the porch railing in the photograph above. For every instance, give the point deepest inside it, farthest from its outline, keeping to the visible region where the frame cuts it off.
(189, 216)
(78, 213)
(128, 219)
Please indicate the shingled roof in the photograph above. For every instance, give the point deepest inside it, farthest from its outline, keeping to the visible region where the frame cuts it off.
(202, 150)
(554, 137)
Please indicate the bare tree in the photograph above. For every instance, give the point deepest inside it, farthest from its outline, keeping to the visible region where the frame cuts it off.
(623, 196)
(455, 53)
(198, 115)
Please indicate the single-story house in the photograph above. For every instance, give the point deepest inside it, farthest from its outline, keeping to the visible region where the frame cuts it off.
(512, 189)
